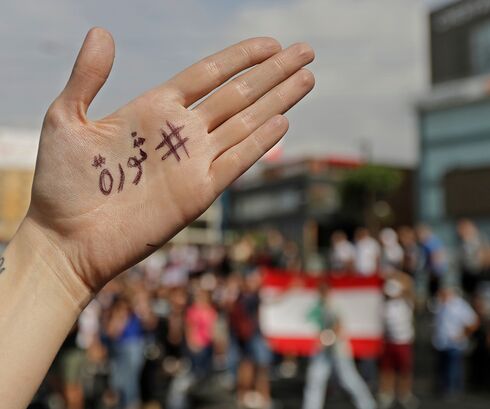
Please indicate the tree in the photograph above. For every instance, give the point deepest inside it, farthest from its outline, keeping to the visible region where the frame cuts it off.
(364, 192)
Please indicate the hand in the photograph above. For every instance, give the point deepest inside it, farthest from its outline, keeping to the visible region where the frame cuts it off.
(107, 193)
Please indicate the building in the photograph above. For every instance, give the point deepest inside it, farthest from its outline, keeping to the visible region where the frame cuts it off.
(301, 199)
(18, 150)
(293, 198)
(205, 230)
(454, 172)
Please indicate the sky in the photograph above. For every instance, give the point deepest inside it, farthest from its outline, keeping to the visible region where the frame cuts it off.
(371, 66)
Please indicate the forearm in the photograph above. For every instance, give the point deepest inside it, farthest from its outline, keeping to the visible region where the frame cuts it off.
(37, 310)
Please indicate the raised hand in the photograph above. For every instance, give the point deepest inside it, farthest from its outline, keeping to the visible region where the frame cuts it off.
(107, 192)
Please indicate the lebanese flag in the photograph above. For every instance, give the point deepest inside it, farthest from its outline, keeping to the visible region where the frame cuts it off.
(288, 299)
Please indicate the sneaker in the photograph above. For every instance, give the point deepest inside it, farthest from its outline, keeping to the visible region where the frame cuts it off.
(385, 401)
(254, 400)
(288, 369)
(410, 402)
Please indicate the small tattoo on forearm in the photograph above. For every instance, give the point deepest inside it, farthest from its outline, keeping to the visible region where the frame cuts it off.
(2, 265)
(173, 140)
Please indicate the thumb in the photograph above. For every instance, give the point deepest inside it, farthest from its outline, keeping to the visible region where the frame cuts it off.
(90, 72)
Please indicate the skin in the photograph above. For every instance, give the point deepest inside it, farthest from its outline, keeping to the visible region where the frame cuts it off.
(227, 132)
(74, 239)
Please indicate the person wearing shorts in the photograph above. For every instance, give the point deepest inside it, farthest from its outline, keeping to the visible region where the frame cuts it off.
(396, 360)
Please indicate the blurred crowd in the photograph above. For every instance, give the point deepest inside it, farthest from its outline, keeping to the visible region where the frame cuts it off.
(422, 277)
(181, 330)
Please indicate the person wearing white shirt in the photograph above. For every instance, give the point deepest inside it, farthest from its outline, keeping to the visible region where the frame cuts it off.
(454, 322)
(343, 252)
(391, 251)
(368, 253)
(396, 363)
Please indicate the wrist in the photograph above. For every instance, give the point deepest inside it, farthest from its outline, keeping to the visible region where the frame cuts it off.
(34, 259)
(40, 301)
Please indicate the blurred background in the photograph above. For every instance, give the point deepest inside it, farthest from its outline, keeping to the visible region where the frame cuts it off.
(349, 268)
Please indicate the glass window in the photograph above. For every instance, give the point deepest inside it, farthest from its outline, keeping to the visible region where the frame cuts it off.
(480, 49)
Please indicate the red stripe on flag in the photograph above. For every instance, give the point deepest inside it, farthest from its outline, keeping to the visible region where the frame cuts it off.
(293, 346)
(366, 348)
(285, 279)
(361, 348)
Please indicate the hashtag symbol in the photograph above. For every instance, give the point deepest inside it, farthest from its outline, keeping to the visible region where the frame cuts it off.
(169, 143)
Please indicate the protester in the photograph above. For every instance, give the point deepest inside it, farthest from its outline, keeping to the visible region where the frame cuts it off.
(333, 354)
(396, 364)
(435, 263)
(200, 322)
(391, 251)
(342, 253)
(124, 334)
(472, 252)
(292, 256)
(274, 249)
(177, 377)
(479, 355)
(368, 253)
(454, 322)
(411, 250)
(72, 361)
(255, 357)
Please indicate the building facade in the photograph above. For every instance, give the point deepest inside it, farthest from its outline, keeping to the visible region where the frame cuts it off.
(454, 171)
(302, 200)
(18, 149)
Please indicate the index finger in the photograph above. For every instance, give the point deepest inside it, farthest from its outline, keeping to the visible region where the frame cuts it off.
(204, 76)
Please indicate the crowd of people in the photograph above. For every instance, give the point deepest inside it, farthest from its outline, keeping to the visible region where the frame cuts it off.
(179, 329)
(182, 329)
(421, 276)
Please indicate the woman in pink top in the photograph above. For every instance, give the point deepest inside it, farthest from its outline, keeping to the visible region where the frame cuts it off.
(200, 323)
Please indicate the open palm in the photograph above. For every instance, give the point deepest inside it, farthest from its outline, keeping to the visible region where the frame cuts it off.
(107, 192)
